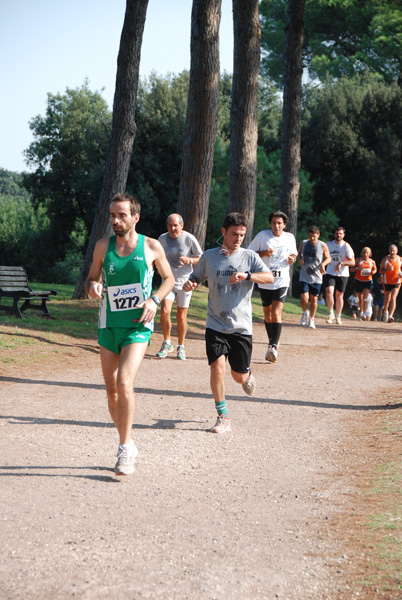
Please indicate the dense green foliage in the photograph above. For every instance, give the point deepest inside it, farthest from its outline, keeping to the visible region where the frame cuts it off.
(22, 228)
(11, 185)
(154, 176)
(352, 147)
(68, 154)
(342, 38)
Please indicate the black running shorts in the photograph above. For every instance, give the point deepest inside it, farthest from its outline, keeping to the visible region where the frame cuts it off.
(268, 296)
(237, 347)
(336, 281)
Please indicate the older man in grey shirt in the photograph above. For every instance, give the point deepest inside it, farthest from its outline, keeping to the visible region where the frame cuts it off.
(182, 252)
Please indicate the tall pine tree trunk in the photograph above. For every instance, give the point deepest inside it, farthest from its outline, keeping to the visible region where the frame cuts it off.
(291, 121)
(123, 128)
(243, 117)
(202, 117)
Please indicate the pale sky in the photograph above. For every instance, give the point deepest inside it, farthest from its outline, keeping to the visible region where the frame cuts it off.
(49, 45)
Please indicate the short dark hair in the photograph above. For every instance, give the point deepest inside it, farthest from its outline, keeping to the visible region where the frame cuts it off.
(135, 206)
(340, 228)
(313, 229)
(236, 219)
(278, 214)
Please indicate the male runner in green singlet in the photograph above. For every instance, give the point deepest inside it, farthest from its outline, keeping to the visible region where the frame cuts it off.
(125, 262)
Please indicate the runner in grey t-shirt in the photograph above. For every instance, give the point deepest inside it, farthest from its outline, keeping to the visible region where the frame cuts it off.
(314, 256)
(184, 245)
(182, 252)
(229, 306)
(231, 272)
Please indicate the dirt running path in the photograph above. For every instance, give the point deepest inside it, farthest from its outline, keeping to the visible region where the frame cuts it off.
(270, 510)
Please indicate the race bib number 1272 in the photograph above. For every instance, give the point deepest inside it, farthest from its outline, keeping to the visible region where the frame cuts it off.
(125, 297)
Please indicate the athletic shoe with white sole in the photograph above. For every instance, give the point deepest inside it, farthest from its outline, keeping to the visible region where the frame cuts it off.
(222, 425)
(249, 385)
(311, 323)
(338, 320)
(385, 316)
(165, 349)
(272, 354)
(304, 318)
(125, 459)
(331, 318)
(181, 353)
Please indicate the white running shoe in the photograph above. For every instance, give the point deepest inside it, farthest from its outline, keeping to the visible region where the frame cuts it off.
(338, 320)
(304, 318)
(222, 425)
(249, 385)
(385, 316)
(272, 354)
(331, 318)
(165, 349)
(311, 323)
(125, 459)
(181, 353)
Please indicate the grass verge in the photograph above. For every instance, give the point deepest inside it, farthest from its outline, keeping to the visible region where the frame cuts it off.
(73, 320)
(384, 529)
(78, 318)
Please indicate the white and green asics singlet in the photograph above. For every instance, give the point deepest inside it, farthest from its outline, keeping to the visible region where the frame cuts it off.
(127, 281)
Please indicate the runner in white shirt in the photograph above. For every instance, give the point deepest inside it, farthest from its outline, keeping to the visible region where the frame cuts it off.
(278, 251)
(336, 278)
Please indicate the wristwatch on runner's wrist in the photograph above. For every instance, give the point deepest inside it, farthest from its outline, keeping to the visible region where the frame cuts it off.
(156, 300)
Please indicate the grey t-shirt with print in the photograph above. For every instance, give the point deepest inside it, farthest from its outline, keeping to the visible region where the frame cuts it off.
(312, 255)
(229, 305)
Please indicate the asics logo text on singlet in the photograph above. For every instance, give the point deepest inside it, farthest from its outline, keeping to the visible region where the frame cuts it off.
(125, 291)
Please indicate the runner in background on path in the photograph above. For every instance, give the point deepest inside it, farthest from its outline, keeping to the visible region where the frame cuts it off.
(278, 251)
(182, 252)
(390, 268)
(365, 268)
(336, 278)
(314, 257)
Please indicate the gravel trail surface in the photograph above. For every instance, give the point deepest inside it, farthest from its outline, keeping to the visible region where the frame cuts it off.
(271, 510)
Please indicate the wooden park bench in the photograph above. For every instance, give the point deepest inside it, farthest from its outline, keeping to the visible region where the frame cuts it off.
(14, 284)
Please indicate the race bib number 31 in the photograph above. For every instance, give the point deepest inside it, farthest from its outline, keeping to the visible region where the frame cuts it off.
(125, 297)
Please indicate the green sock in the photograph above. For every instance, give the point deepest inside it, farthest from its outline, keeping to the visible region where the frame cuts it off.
(221, 408)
